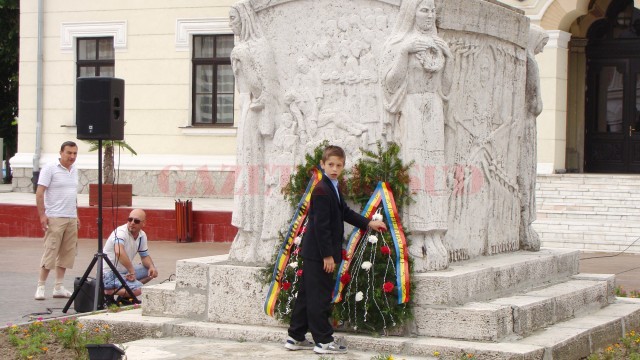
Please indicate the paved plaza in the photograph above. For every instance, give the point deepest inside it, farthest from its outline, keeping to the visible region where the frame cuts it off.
(18, 277)
(21, 256)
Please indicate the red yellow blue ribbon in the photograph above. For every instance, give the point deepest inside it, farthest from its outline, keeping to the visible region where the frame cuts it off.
(400, 242)
(295, 228)
(381, 195)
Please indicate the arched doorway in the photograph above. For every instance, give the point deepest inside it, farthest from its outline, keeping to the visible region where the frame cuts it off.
(612, 111)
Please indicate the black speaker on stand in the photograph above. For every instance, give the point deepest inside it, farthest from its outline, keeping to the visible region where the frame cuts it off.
(99, 116)
(100, 108)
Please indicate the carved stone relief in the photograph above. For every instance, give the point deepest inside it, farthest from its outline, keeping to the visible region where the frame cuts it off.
(441, 78)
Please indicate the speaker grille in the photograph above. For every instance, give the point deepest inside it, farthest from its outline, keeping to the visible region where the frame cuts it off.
(100, 108)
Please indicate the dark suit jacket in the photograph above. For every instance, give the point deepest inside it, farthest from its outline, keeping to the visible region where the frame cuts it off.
(325, 229)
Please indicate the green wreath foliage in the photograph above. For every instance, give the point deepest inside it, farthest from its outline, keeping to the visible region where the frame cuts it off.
(378, 310)
(381, 165)
(300, 177)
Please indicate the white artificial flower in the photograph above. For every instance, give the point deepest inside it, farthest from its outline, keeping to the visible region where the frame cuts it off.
(297, 240)
(294, 264)
(377, 217)
(366, 265)
(359, 296)
(373, 239)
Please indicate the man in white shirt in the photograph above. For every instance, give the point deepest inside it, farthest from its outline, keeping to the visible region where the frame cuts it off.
(122, 246)
(56, 200)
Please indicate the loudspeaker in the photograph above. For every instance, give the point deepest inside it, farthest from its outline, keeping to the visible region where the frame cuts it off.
(100, 108)
(84, 299)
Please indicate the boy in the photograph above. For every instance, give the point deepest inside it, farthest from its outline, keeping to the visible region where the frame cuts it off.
(321, 251)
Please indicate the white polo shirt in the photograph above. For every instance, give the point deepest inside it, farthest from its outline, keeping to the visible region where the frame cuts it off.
(61, 196)
(121, 235)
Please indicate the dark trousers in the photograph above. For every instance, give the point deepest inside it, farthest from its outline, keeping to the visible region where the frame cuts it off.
(313, 304)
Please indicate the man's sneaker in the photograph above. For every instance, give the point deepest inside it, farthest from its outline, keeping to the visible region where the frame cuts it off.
(293, 344)
(40, 292)
(61, 292)
(329, 348)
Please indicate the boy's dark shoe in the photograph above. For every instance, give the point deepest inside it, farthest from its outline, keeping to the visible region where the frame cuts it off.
(330, 348)
(293, 344)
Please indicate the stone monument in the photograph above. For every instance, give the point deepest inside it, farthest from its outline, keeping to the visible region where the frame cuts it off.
(455, 84)
(446, 80)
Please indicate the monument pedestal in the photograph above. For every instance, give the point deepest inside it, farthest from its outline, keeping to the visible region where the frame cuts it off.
(524, 303)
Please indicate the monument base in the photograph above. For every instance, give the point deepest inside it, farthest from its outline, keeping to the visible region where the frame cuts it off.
(503, 299)
(513, 306)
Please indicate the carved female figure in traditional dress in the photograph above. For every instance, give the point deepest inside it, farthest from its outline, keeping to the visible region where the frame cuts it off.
(529, 239)
(415, 76)
(257, 85)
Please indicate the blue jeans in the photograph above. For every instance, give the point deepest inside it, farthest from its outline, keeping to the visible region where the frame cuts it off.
(112, 282)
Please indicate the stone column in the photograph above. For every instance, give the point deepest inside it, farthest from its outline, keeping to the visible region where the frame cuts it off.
(552, 123)
(575, 105)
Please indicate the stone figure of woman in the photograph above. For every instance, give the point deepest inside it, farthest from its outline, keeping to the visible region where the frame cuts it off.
(529, 239)
(257, 86)
(414, 73)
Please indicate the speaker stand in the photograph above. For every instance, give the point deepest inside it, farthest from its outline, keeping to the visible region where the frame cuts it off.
(98, 297)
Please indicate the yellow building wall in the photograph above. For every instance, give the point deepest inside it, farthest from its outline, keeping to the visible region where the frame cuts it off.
(156, 70)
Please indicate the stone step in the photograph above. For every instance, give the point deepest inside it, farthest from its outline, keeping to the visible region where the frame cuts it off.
(590, 241)
(194, 273)
(517, 315)
(604, 197)
(614, 227)
(597, 216)
(590, 205)
(213, 294)
(579, 337)
(589, 179)
(572, 339)
(557, 196)
(600, 191)
(489, 277)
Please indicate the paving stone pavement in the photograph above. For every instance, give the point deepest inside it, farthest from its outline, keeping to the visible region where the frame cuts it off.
(21, 260)
(201, 349)
(18, 277)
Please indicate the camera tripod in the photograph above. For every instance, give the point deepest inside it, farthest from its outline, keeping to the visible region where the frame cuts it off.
(98, 297)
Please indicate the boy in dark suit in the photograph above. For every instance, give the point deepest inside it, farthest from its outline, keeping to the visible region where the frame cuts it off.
(321, 251)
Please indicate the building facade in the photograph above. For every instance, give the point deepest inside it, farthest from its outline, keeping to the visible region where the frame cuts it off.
(180, 97)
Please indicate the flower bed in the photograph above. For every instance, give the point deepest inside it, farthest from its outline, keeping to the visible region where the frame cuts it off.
(54, 339)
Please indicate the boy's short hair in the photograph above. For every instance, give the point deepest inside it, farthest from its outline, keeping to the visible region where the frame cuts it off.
(333, 150)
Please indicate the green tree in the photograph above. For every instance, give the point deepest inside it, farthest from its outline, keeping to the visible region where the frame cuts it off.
(9, 50)
(108, 146)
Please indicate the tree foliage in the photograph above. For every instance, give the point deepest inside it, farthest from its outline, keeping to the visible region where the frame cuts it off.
(9, 50)
(108, 165)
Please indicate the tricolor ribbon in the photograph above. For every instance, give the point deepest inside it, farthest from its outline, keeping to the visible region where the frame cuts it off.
(295, 228)
(381, 195)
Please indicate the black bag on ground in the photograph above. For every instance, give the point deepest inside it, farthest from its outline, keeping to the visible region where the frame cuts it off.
(84, 299)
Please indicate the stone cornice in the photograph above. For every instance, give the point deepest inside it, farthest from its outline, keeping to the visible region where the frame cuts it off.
(70, 31)
(187, 27)
(558, 39)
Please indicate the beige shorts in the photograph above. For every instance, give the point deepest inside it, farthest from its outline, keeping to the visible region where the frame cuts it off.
(60, 243)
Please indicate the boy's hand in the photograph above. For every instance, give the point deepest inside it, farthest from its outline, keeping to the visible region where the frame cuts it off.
(329, 264)
(378, 225)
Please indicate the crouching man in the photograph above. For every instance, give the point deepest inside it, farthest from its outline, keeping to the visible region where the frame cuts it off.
(122, 246)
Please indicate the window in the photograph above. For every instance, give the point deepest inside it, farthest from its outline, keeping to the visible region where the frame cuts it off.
(95, 57)
(213, 81)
